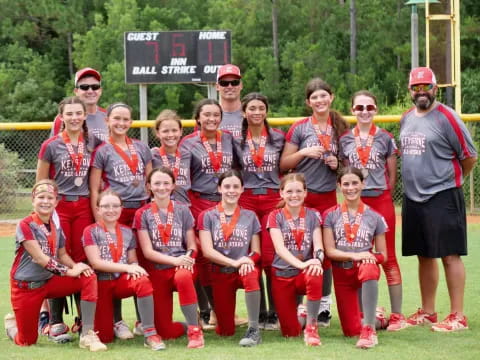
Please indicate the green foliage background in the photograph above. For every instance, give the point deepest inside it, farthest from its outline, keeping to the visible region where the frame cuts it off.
(43, 43)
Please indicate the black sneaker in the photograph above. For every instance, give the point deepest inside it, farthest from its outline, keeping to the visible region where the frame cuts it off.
(272, 322)
(262, 320)
(43, 322)
(252, 338)
(324, 318)
(205, 319)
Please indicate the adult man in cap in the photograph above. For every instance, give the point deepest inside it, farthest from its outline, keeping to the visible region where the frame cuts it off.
(229, 85)
(88, 87)
(437, 154)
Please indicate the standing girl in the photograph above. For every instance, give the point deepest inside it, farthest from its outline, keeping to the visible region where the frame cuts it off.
(43, 269)
(297, 266)
(66, 158)
(168, 130)
(373, 150)
(259, 151)
(312, 149)
(166, 235)
(110, 249)
(350, 232)
(121, 164)
(229, 238)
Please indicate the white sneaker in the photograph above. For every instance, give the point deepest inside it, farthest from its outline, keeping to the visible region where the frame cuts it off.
(91, 342)
(121, 330)
(10, 324)
(324, 314)
(138, 329)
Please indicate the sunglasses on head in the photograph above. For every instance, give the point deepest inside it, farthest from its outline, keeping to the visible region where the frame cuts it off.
(369, 107)
(225, 83)
(85, 87)
(421, 87)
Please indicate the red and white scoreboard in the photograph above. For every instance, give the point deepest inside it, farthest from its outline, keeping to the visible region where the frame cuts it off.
(175, 56)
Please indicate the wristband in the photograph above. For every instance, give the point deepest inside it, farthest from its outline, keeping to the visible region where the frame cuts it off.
(254, 256)
(191, 253)
(379, 257)
(320, 255)
(55, 267)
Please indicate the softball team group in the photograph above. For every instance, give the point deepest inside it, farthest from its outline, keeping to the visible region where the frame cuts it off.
(210, 212)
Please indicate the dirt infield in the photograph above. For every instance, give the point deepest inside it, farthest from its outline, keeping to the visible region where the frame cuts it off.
(8, 228)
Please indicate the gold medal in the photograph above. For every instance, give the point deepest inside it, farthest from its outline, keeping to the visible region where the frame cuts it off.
(135, 182)
(78, 181)
(299, 257)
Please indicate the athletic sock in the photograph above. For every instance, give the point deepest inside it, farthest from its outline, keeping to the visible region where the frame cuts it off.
(252, 300)
(88, 315)
(313, 306)
(396, 298)
(56, 310)
(145, 308)
(369, 301)
(190, 313)
(117, 310)
(327, 282)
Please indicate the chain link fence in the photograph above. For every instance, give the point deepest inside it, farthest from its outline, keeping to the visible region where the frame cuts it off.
(18, 159)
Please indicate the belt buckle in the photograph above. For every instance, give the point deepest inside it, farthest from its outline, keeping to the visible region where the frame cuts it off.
(347, 265)
(228, 270)
(71, 198)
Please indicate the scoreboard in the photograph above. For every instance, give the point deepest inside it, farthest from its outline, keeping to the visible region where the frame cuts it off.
(175, 56)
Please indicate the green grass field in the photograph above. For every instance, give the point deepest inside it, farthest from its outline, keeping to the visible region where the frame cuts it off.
(411, 344)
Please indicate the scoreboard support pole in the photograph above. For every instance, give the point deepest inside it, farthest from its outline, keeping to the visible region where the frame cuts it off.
(143, 111)
(212, 91)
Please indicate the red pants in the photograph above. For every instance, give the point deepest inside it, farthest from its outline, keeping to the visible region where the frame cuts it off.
(127, 216)
(263, 205)
(26, 303)
(224, 288)
(322, 202)
(346, 283)
(75, 216)
(203, 264)
(116, 289)
(384, 205)
(165, 282)
(285, 291)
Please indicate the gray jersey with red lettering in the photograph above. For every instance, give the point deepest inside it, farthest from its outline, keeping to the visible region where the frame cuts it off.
(204, 179)
(62, 168)
(97, 126)
(183, 179)
(432, 147)
(382, 148)
(238, 244)
(371, 225)
(232, 122)
(116, 173)
(318, 175)
(277, 220)
(95, 235)
(182, 222)
(267, 176)
(24, 268)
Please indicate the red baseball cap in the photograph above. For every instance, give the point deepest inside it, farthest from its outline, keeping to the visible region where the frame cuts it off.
(87, 72)
(422, 75)
(228, 69)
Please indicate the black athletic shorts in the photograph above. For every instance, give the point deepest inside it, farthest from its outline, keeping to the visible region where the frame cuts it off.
(435, 228)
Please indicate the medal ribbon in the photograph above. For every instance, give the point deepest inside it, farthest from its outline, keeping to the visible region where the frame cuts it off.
(76, 158)
(298, 233)
(364, 152)
(325, 138)
(351, 230)
(166, 163)
(257, 156)
(133, 162)
(227, 228)
(164, 230)
(116, 249)
(215, 159)
(51, 235)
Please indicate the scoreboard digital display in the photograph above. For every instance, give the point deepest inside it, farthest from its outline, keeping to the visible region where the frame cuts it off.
(175, 56)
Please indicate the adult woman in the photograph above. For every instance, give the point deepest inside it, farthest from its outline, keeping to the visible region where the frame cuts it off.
(43, 269)
(209, 153)
(168, 130)
(121, 164)
(373, 150)
(166, 235)
(229, 238)
(297, 266)
(110, 249)
(66, 158)
(312, 149)
(259, 151)
(350, 231)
